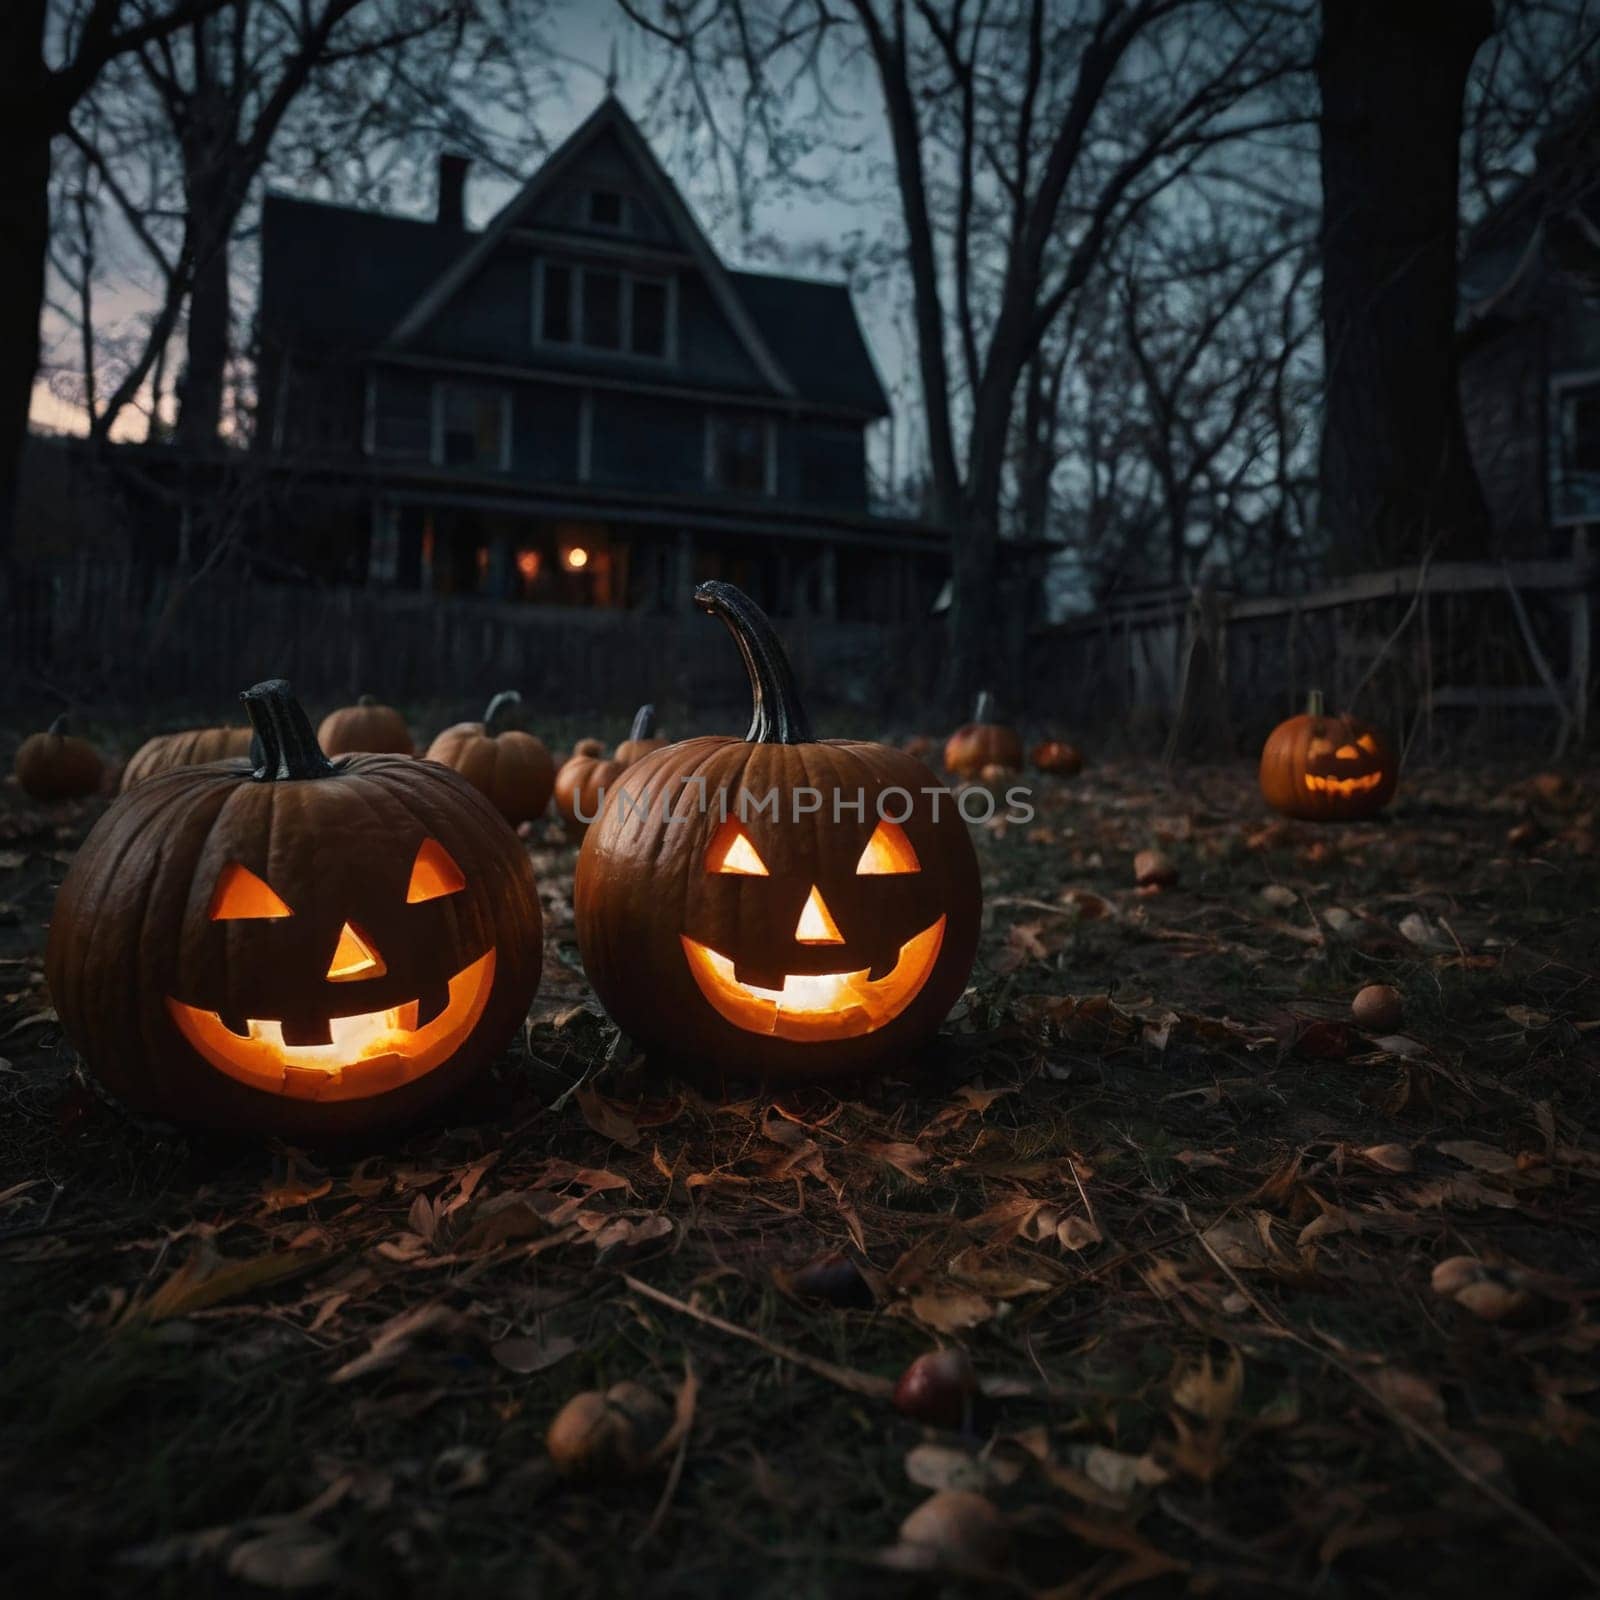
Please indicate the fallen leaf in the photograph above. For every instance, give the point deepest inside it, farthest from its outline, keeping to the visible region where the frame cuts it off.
(532, 1355)
(286, 1559)
(608, 1120)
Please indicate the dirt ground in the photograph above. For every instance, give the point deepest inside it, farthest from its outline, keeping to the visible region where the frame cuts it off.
(1188, 1220)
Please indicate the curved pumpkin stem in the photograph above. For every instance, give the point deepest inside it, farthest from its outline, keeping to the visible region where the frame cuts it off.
(984, 710)
(289, 748)
(1315, 705)
(778, 716)
(644, 723)
(366, 699)
(499, 710)
(58, 726)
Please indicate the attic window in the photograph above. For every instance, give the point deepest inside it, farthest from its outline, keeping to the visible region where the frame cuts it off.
(605, 208)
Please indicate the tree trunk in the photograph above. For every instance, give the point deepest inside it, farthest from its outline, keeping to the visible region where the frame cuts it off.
(1395, 473)
(24, 236)
(205, 345)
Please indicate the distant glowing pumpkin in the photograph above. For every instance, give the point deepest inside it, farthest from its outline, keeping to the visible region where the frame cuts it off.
(305, 948)
(757, 941)
(1327, 769)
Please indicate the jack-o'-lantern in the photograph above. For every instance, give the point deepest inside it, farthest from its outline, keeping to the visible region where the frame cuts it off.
(366, 728)
(1326, 769)
(642, 737)
(983, 742)
(778, 905)
(191, 748)
(504, 762)
(304, 948)
(54, 765)
(1058, 758)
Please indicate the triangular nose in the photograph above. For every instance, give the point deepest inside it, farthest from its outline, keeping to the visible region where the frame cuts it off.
(816, 924)
(354, 958)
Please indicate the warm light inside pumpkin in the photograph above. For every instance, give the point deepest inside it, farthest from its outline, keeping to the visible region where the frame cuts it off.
(240, 894)
(1320, 785)
(354, 958)
(433, 874)
(816, 1006)
(369, 1053)
(888, 850)
(816, 924)
(731, 851)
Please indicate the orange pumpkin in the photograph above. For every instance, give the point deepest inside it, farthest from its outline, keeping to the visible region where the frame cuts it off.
(642, 737)
(1326, 769)
(54, 765)
(1058, 758)
(192, 748)
(368, 727)
(983, 742)
(727, 921)
(511, 767)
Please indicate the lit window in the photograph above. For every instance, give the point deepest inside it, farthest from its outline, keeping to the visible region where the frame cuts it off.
(528, 564)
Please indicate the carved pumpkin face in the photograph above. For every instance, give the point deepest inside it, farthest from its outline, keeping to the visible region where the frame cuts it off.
(1325, 768)
(761, 941)
(309, 948)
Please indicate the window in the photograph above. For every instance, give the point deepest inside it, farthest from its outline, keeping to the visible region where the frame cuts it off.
(555, 308)
(605, 208)
(605, 308)
(1576, 463)
(399, 416)
(472, 426)
(738, 454)
(602, 310)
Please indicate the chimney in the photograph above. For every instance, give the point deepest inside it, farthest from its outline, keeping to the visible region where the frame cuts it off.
(452, 189)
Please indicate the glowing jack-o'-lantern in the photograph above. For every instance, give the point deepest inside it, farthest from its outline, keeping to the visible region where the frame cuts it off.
(305, 947)
(730, 914)
(1326, 769)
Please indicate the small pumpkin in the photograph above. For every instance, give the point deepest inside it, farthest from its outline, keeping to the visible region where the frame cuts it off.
(191, 748)
(810, 944)
(642, 737)
(983, 742)
(303, 948)
(367, 726)
(1058, 758)
(510, 766)
(1326, 769)
(589, 747)
(54, 765)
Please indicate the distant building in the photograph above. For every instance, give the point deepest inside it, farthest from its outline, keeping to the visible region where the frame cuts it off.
(578, 405)
(1530, 331)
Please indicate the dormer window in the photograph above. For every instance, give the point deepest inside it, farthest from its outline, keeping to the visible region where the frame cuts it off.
(606, 308)
(606, 208)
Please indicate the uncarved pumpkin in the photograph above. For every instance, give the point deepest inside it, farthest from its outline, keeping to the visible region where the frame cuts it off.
(797, 947)
(510, 766)
(1326, 769)
(368, 727)
(983, 742)
(191, 748)
(584, 780)
(305, 948)
(1058, 758)
(54, 765)
(642, 737)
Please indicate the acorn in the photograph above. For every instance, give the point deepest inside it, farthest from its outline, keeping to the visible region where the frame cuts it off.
(1378, 1008)
(938, 1388)
(959, 1528)
(1154, 869)
(834, 1278)
(614, 1434)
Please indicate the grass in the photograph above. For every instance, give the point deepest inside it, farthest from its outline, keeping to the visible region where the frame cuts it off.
(1147, 1157)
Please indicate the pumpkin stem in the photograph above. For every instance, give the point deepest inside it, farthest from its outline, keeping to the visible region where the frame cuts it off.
(1315, 706)
(984, 710)
(288, 747)
(644, 723)
(778, 716)
(366, 699)
(58, 726)
(500, 710)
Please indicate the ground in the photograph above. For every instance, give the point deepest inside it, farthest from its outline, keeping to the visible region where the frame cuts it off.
(1183, 1213)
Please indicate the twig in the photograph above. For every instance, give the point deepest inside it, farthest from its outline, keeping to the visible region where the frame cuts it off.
(1400, 627)
(1519, 1513)
(855, 1382)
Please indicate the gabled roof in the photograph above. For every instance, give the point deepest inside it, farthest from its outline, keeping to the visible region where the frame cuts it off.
(608, 116)
(812, 329)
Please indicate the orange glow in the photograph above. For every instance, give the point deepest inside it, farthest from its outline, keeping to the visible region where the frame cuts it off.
(816, 924)
(575, 557)
(354, 958)
(240, 893)
(433, 874)
(367, 1054)
(528, 564)
(888, 850)
(1368, 743)
(1320, 785)
(821, 1006)
(731, 851)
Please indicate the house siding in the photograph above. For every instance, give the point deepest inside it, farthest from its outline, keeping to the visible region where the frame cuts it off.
(641, 442)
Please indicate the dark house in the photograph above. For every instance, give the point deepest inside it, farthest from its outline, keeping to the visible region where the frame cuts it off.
(1530, 333)
(578, 405)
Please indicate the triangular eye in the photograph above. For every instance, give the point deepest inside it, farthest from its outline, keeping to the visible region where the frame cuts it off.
(888, 850)
(433, 874)
(731, 851)
(1368, 743)
(240, 893)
